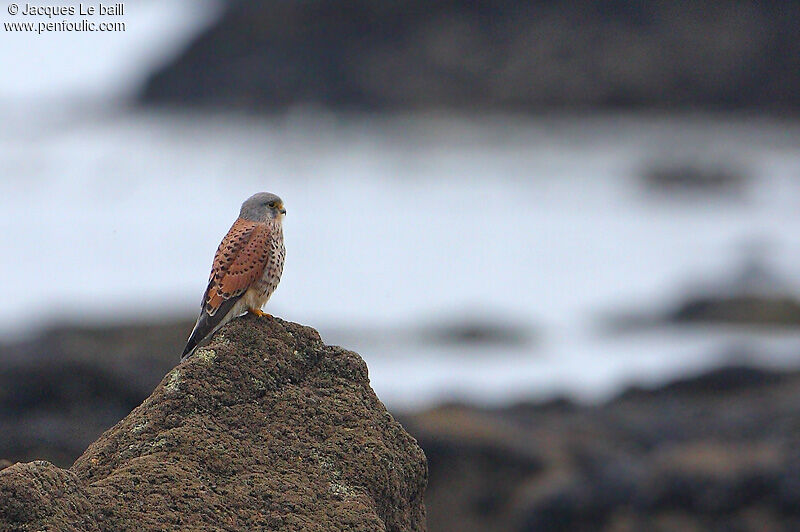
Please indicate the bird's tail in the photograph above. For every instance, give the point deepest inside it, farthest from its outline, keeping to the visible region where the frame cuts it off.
(207, 325)
(191, 345)
(194, 340)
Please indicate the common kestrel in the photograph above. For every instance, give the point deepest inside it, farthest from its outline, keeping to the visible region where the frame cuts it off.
(247, 267)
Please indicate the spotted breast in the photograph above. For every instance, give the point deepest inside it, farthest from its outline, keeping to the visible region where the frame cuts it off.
(276, 254)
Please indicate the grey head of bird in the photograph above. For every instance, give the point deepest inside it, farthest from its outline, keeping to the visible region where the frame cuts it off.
(262, 207)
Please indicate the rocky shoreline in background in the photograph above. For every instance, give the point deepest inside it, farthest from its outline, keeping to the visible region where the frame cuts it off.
(496, 55)
(60, 389)
(719, 451)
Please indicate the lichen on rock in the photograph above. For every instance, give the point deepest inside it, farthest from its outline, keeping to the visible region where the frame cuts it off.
(280, 432)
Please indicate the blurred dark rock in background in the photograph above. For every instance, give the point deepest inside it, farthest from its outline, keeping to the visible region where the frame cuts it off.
(496, 55)
(61, 389)
(715, 452)
(671, 177)
(478, 331)
(740, 310)
(753, 295)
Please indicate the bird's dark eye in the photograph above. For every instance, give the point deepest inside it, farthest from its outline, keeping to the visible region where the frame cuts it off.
(271, 204)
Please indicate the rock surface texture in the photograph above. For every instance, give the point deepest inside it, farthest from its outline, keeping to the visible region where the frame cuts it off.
(266, 428)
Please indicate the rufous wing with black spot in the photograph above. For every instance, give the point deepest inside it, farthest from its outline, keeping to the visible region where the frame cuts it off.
(239, 262)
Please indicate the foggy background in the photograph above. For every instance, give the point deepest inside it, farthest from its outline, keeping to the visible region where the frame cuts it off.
(498, 204)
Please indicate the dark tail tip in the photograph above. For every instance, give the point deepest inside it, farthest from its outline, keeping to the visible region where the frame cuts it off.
(189, 349)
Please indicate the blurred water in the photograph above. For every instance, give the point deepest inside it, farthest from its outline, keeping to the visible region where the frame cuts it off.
(396, 224)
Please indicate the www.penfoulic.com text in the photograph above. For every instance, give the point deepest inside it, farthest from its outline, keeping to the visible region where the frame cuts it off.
(64, 25)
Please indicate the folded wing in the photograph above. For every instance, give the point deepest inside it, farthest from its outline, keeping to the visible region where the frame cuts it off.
(239, 262)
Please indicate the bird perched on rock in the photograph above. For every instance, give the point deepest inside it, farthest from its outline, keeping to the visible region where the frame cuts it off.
(247, 267)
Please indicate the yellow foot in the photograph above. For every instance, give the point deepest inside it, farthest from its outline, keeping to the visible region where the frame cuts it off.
(258, 312)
